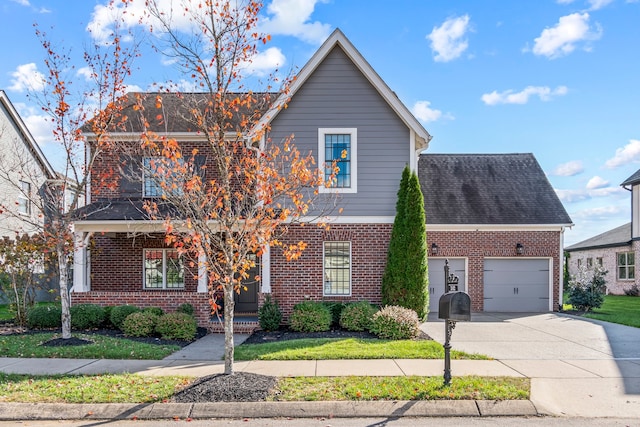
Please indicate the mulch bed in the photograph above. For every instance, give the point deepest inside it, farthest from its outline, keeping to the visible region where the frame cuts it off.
(238, 387)
(284, 333)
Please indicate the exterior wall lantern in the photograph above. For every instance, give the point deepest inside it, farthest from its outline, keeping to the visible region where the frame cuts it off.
(434, 249)
(519, 249)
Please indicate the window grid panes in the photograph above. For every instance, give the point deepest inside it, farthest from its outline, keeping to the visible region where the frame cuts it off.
(626, 266)
(337, 268)
(337, 147)
(156, 170)
(163, 269)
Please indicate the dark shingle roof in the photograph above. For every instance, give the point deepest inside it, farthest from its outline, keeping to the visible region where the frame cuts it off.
(488, 189)
(633, 179)
(619, 236)
(119, 209)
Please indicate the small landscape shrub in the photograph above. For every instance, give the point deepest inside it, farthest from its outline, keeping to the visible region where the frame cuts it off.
(310, 316)
(177, 326)
(335, 308)
(587, 288)
(86, 316)
(120, 312)
(269, 315)
(155, 310)
(44, 317)
(395, 323)
(632, 291)
(106, 323)
(140, 324)
(357, 316)
(186, 308)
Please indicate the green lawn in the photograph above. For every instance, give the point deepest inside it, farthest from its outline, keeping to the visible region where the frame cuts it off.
(349, 348)
(621, 309)
(5, 314)
(103, 347)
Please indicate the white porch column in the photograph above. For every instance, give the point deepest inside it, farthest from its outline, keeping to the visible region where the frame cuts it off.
(202, 274)
(265, 273)
(80, 273)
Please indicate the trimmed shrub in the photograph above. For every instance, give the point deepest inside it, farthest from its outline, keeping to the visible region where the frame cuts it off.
(106, 323)
(177, 326)
(155, 310)
(44, 317)
(120, 312)
(310, 316)
(269, 315)
(587, 288)
(140, 324)
(357, 316)
(86, 316)
(335, 308)
(186, 308)
(395, 323)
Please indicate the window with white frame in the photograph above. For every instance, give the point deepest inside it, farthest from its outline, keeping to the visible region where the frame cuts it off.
(163, 269)
(337, 268)
(599, 262)
(589, 262)
(158, 172)
(24, 198)
(626, 266)
(337, 152)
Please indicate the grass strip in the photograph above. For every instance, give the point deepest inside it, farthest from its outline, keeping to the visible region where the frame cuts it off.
(102, 347)
(400, 388)
(347, 348)
(122, 388)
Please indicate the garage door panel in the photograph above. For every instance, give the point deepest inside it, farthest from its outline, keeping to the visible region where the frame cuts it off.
(516, 285)
(436, 278)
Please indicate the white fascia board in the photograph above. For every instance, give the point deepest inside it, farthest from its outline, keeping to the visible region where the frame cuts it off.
(495, 227)
(342, 219)
(178, 136)
(337, 38)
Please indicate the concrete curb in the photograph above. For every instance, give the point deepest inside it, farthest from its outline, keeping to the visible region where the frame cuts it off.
(152, 411)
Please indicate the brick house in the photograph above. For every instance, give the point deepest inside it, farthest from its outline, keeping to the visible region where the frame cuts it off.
(616, 250)
(337, 100)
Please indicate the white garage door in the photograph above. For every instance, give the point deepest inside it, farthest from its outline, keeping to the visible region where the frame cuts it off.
(516, 285)
(436, 278)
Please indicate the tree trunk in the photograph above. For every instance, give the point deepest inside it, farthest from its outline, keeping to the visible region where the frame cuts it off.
(65, 298)
(229, 304)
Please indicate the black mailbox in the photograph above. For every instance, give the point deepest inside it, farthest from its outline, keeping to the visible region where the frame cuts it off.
(455, 306)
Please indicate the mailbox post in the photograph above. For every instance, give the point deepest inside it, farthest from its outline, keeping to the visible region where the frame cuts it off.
(453, 306)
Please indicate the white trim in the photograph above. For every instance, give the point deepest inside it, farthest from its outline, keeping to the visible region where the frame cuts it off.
(164, 271)
(413, 154)
(202, 274)
(178, 136)
(353, 153)
(337, 38)
(495, 227)
(265, 266)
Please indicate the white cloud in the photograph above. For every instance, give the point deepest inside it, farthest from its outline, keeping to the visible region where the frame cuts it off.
(39, 124)
(563, 38)
(630, 153)
(26, 78)
(510, 97)
(564, 1)
(598, 4)
(600, 212)
(571, 168)
(292, 18)
(423, 112)
(596, 182)
(447, 40)
(579, 195)
(22, 2)
(265, 62)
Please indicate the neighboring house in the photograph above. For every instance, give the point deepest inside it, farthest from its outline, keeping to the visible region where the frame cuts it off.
(616, 250)
(499, 222)
(337, 102)
(24, 170)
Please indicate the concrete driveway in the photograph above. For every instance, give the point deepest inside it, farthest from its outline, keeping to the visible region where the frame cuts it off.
(577, 366)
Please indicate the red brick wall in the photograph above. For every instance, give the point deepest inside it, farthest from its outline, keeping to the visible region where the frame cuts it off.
(476, 245)
(295, 281)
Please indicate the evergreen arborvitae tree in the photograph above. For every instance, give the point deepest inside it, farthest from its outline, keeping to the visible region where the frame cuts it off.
(405, 280)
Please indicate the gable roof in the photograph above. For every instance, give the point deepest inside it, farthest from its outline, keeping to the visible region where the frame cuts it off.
(491, 189)
(26, 137)
(337, 38)
(633, 179)
(619, 236)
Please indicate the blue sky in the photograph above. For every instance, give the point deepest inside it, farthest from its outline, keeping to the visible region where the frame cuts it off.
(557, 78)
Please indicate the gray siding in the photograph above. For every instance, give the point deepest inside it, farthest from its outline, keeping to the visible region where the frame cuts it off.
(337, 95)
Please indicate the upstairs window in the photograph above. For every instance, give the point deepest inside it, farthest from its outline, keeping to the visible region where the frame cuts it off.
(338, 146)
(337, 268)
(626, 266)
(24, 198)
(157, 172)
(163, 269)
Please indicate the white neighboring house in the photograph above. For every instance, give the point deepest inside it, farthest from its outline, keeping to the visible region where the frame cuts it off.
(24, 171)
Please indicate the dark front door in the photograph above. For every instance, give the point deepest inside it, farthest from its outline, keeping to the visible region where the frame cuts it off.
(247, 300)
